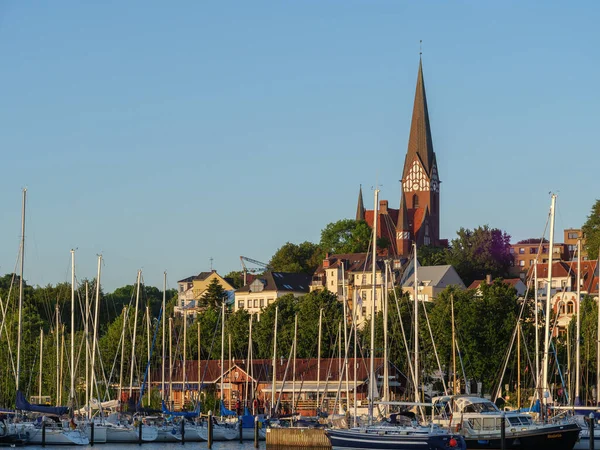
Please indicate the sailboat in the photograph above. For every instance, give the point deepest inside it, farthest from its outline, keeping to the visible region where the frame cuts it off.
(407, 435)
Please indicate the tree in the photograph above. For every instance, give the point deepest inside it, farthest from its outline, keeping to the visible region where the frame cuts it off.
(479, 252)
(235, 278)
(432, 256)
(345, 236)
(591, 231)
(215, 294)
(304, 257)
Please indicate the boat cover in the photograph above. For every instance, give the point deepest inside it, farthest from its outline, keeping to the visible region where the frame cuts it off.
(225, 411)
(24, 405)
(186, 414)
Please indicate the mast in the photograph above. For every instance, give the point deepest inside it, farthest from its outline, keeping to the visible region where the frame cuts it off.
(453, 347)
(319, 357)
(135, 315)
(72, 390)
(519, 365)
(125, 317)
(372, 386)
(537, 332)
(41, 365)
(275, 362)
(294, 367)
(170, 360)
(148, 344)
(249, 363)
(355, 316)
(222, 345)
(345, 301)
(87, 349)
(95, 338)
(578, 323)
(199, 372)
(164, 301)
(416, 314)
(598, 347)
(229, 370)
(546, 359)
(184, 351)
(62, 359)
(57, 333)
(386, 381)
(20, 321)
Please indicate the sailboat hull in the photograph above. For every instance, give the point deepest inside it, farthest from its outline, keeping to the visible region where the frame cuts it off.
(220, 433)
(392, 439)
(559, 437)
(57, 436)
(124, 434)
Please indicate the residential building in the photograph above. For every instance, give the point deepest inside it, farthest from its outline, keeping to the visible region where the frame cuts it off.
(267, 288)
(350, 276)
(191, 289)
(418, 217)
(571, 236)
(431, 280)
(516, 283)
(527, 253)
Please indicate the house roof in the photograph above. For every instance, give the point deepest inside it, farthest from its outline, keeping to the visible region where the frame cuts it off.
(262, 370)
(432, 274)
(512, 281)
(282, 281)
(353, 262)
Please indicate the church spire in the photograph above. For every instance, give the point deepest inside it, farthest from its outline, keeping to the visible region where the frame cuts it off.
(360, 209)
(420, 143)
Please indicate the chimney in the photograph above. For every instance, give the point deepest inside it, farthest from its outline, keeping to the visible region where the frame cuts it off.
(326, 261)
(383, 206)
(488, 278)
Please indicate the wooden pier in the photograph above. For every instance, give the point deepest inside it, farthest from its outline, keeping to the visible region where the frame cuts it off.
(308, 438)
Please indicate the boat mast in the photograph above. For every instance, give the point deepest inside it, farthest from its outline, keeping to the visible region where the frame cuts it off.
(578, 323)
(275, 362)
(87, 348)
(355, 314)
(373, 295)
(135, 321)
(41, 365)
(57, 333)
(548, 302)
(125, 317)
(319, 357)
(95, 330)
(170, 360)
(20, 321)
(416, 314)
(72, 390)
(345, 300)
(249, 364)
(294, 367)
(454, 391)
(148, 324)
(184, 352)
(199, 361)
(386, 381)
(598, 348)
(537, 332)
(164, 301)
(222, 346)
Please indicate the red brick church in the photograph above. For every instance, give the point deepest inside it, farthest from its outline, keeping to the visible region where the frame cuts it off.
(418, 218)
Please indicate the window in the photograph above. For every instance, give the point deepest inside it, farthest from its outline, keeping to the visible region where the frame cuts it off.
(522, 263)
(262, 302)
(241, 304)
(570, 307)
(415, 201)
(256, 303)
(364, 311)
(533, 250)
(521, 251)
(573, 235)
(364, 279)
(181, 288)
(512, 251)
(270, 301)
(332, 282)
(531, 262)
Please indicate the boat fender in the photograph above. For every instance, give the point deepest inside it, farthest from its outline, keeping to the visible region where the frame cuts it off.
(452, 443)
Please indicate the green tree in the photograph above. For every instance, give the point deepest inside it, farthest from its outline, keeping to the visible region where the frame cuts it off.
(476, 253)
(235, 278)
(304, 257)
(345, 236)
(591, 231)
(432, 256)
(215, 294)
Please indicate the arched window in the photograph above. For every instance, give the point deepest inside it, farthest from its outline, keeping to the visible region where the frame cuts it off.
(415, 201)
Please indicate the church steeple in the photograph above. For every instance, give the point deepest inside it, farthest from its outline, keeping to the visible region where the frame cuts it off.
(420, 143)
(360, 208)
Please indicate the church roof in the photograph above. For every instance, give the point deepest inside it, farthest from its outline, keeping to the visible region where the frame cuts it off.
(360, 208)
(420, 143)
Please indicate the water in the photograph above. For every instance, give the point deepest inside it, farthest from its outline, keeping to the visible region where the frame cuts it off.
(230, 445)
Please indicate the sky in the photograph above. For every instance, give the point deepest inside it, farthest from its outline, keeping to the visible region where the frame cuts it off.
(164, 134)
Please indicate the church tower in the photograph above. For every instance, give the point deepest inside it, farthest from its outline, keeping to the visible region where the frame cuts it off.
(419, 214)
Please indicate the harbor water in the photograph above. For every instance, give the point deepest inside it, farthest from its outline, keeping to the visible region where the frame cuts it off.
(229, 445)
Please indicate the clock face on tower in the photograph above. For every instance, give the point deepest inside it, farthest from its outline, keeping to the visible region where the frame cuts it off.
(416, 180)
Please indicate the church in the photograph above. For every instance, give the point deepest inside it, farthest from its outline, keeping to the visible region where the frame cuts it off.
(418, 217)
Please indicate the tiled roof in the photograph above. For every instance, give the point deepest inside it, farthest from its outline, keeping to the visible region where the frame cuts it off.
(512, 281)
(282, 281)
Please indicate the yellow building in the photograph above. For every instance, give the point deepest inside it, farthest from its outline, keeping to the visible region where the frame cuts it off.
(192, 289)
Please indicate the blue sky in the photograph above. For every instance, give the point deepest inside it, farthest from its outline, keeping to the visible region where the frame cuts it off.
(165, 133)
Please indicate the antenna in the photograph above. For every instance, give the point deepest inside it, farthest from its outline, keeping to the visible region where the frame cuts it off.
(420, 47)
(211, 259)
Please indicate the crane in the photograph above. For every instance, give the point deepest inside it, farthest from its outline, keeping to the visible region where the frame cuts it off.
(253, 261)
